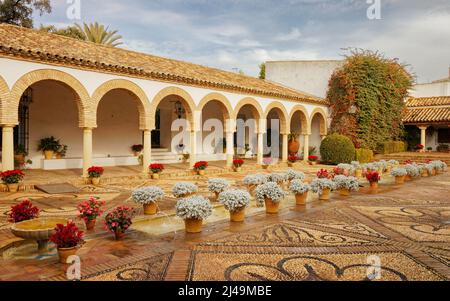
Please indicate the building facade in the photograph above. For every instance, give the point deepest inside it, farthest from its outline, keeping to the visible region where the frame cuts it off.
(99, 101)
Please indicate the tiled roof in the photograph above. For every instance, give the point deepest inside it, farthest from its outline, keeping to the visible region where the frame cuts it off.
(427, 110)
(54, 49)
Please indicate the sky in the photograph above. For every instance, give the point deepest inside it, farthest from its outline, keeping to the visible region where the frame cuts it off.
(241, 34)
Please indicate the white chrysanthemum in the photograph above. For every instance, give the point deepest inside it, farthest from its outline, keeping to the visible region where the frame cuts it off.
(196, 207)
(183, 189)
(298, 187)
(269, 190)
(218, 185)
(234, 200)
(147, 195)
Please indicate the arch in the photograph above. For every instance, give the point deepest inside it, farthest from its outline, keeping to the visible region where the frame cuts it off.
(4, 93)
(304, 118)
(187, 100)
(142, 100)
(323, 120)
(256, 108)
(81, 95)
(216, 97)
(284, 126)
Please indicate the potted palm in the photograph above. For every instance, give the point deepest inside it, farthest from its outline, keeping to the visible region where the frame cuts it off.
(346, 184)
(148, 197)
(252, 181)
(90, 210)
(49, 146)
(194, 211)
(95, 173)
(271, 195)
(12, 178)
(373, 177)
(184, 190)
(323, 186)
(237, 164)
(200, 167)
(300, 190)
(156, 170)
(218, 186)
(67, 239)
(119, 220)
(235, 201)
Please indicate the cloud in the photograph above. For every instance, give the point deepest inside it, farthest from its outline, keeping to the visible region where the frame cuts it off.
(294, 34)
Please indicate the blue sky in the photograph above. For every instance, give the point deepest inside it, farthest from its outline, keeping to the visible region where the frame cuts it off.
(240, 34)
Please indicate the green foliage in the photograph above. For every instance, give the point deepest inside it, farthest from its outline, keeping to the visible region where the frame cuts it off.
(262, 71)
(100, 34)
(364, 155)
(392, 147)
(20, 12)
(70, 31)
(49, 144)
(376, 87)
(336, 149)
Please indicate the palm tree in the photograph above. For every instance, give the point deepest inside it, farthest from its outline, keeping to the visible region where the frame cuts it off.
(97, 33)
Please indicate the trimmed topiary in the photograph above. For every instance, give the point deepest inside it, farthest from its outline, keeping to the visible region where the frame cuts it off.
(336, 149)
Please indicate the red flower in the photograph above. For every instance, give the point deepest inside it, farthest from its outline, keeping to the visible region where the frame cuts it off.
(324, 174)
(67, 236)
(95, 171)
(313, 158)
(202, 165)
(23, 212)
(120, 219)
(293, 159)
(238, 162)
(420, 146)
(156, 168)
(12, 176)
(90, 209)
(373, 176)
(409, 162)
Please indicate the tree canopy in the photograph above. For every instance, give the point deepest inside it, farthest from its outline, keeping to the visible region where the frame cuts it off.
(367, 98)
(20, 12)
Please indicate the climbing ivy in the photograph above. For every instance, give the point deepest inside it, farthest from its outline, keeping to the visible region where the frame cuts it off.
(367, 98)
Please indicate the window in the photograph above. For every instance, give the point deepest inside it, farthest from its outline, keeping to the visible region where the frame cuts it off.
(444, 135)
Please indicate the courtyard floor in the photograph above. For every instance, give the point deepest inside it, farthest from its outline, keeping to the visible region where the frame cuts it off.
(407, 227)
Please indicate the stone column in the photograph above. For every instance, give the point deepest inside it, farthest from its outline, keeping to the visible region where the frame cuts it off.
(423, 136)
(306, 147)
(260, 150)
(147, 155)
(8, 147)
(193, 154)
(285, 150)
(87, 150)
(230, 148)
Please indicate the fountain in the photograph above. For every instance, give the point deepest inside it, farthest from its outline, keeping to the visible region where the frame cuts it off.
(39, 230)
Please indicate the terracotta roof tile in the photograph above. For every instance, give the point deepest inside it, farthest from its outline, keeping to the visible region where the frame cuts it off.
(428, 101)
(427, 110)
(50, 48)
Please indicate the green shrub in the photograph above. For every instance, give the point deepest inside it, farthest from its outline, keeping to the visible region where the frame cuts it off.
(392, 147)
(336, 149)
(364, 155)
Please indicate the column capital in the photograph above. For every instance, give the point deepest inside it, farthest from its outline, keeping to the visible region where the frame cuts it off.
(8, 126)
(423, 127)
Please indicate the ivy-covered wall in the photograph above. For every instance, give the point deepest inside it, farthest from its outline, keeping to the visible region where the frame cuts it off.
(367, 98)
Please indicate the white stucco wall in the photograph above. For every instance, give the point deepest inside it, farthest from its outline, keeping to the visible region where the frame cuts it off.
(431, 89)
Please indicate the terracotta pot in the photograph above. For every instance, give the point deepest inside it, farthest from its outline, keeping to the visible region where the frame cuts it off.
(301, 199)
(119, 235)
(358, 173)
(272, 207)
(90, 225)
(388, 169)
(434, 172)
(193, 225)
(325, 195)
(201, 172)
(155, 176)
(265, 166)
(64, 254)
(408, 178)
(20, 159)
(400, 180)
(424, 173)
(48, 155)
(290, 164)
(293, 147)
(13, 187)
(251, 189)
(95, 181)
(344, 192)
(374, 185)
(151, 208)
(216, 196)
(313, 163)
(238, 215)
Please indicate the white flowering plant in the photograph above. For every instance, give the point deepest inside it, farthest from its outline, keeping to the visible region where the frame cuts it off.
(278, 177)
(370, 167)
(356, 164)
(218, 185)
(399, 172)
(439, 165)
(269, 190)
(344, 182)
(393, 163)
(196, 207)
(319, 184)
(298, 187)
(256, 179)
(182, 189)
(295, 175)
(413, 170)
(234, 199)
(346, 167)
(147, 195)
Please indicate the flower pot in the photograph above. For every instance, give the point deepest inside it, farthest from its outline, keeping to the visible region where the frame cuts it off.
(344, 192)
(313, 163)
(301, 198)
(238, 215)
(400, 180)
(193, 225)
(424, 173)
(216, 196)
(238, 169)
(118, 235)
(325, 195)
(272, 207)
(95, 181)
(388, 169)
(201, 172)
(434, 172)
(151, 208)
(293, 147)
(358, 173)
(90, 224)
(65, 253)
(265, 166)
(13, 187)
(290, 164)
(374, 185)
(20, 159)
(58, 156)
(408, 178)
(48, 154)
(251, 189)
(155, 176)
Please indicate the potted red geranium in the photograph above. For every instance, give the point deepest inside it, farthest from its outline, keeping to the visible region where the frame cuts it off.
(200, 167)
(313, 160)
(95, 173)
(373, 177)
(324, 174)
(156, 169)
(119, 220)
(137, 149)
(292, 160)
(67, 239)
(12, 179)
(24, 211)
(90, 210)
(237, 163)
(420, 147)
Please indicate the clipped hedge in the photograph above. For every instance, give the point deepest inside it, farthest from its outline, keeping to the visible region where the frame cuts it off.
(364, 155)
(392, 147)
(336, 149)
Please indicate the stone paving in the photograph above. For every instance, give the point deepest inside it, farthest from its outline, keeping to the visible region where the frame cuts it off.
(406, 228)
